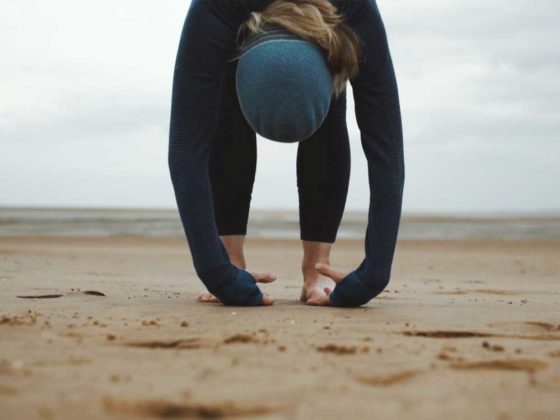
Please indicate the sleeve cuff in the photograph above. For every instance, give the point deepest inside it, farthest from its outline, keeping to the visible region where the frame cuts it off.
(242, 291)
(351, 292)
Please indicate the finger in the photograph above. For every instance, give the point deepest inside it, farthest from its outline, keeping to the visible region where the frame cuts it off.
(314, 291)
(328, 291)
(263, 277)
(327, 270)
(267, 300)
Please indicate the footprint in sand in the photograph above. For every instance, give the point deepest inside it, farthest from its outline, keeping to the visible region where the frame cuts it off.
(168, 409)
(527, 365)
(15, 320)
(389, 379)
(336, 349)
(528, 330)
(240, 338)
(54, 296)
(480, 291)
(93, 293)
(184, 344)
(526, 327)
(446, 334)
(341, 350)
(192, 343)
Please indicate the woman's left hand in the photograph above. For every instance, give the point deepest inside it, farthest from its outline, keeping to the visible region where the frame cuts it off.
(335, 275)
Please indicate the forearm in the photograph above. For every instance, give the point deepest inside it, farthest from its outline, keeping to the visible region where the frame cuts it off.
(230, 284)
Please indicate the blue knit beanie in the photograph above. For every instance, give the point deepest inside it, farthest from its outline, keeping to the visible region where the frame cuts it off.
(283, 85)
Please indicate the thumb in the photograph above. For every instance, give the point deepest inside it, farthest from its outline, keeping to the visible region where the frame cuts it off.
(263, 277)
(327, 270)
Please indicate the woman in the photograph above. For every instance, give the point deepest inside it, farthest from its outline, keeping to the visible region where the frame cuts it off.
(323, 159)
(203, 156)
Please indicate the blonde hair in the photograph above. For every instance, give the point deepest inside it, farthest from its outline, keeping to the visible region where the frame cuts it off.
(317, 21)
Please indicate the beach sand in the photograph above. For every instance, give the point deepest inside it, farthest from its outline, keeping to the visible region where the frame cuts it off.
(466, 329)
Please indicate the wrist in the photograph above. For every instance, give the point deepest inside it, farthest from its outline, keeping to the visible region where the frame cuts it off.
(351, 291)
(240, 290)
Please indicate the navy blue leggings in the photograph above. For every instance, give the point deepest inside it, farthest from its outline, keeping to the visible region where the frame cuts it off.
(323, 168)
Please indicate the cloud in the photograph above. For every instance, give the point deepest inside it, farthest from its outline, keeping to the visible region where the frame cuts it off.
(86, 91)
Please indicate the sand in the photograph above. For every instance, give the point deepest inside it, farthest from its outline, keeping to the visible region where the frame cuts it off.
(466, 329)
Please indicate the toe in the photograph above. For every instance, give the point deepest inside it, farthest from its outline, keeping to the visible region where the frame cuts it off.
(319, 300)
(314, 301)
(207, 297)
(267, 300)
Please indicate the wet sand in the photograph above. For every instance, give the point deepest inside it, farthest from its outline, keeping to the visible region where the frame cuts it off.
(110, 327)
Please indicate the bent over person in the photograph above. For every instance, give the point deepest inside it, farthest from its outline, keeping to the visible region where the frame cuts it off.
(279, 68)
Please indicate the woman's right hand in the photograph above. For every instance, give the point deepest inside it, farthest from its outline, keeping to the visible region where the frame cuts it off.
(207, 297)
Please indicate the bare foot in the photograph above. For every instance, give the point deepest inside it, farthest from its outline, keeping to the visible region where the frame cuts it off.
(314, 285)
(210, 298)
(207, 298)
(316, 292)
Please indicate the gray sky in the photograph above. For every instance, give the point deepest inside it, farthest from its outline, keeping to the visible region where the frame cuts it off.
(85, 90)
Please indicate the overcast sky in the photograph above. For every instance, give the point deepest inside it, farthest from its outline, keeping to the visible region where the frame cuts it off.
(85, 92)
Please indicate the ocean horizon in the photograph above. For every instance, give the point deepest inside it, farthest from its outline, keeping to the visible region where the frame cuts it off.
(281, 224)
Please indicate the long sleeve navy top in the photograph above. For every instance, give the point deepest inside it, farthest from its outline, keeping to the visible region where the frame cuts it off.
(206, 43)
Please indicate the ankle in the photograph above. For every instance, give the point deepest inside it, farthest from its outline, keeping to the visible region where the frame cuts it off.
(308, 267)
(238, 260)
(234, 246)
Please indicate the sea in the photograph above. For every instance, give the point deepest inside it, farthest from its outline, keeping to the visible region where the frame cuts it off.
(282, 224)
